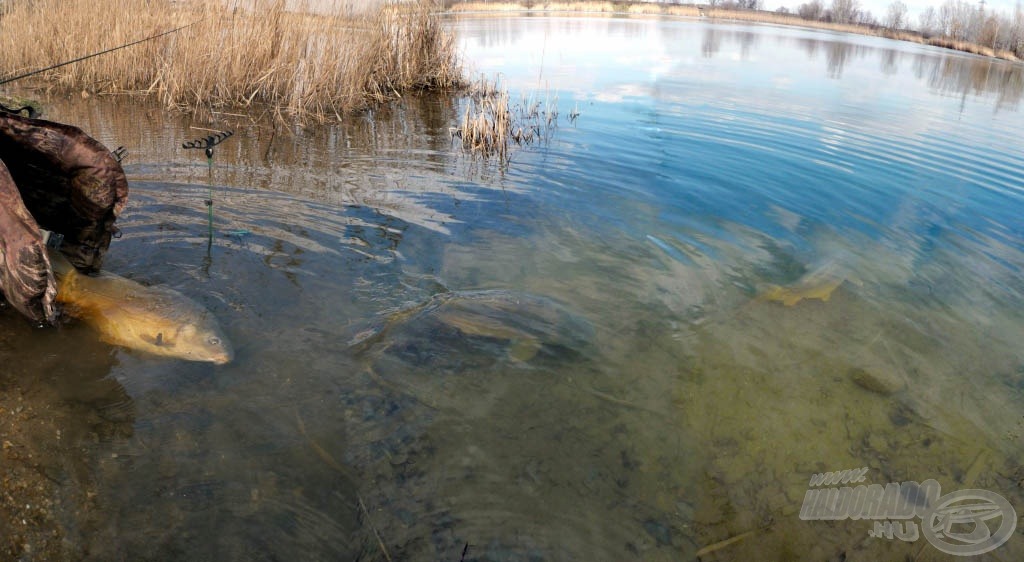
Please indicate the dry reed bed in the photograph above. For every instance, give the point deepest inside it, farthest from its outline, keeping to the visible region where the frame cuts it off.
(968, 47)
(650, 8)
(491, 123)
(234, 53)
(486, 121)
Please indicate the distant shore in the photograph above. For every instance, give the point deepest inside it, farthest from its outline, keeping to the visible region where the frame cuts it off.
(698, 11)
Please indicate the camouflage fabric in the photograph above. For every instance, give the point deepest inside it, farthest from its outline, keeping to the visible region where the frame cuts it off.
(70, 183)
(60, 179)
(25, 274)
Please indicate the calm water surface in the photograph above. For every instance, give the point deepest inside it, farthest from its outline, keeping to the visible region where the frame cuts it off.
(601, 377)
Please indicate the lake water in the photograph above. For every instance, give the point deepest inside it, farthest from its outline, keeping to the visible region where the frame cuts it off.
(574, 356)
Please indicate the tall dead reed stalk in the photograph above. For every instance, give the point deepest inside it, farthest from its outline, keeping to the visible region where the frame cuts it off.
(486, 120)
(306, 63)
(491, 123)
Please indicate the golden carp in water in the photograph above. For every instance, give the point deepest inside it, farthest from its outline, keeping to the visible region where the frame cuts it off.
(821, 289)
(155, 320)
(818, 284)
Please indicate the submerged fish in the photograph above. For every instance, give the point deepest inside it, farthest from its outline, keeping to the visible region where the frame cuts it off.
(818, 284)
(790, 296)
(155, 320)
(471, 327)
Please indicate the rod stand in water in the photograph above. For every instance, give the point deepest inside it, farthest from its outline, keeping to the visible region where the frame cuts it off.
(207, 145)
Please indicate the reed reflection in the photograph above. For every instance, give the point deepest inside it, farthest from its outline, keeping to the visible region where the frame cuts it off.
(351, 163)
(960, 76)
(712, 38)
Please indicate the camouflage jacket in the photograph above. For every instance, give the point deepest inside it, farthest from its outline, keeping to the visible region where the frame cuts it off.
(54, 177)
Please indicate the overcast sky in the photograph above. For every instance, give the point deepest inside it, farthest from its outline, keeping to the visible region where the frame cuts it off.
(914, 7)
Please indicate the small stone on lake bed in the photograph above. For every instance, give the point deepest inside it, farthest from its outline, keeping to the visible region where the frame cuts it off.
(661, 533)
(880, 382)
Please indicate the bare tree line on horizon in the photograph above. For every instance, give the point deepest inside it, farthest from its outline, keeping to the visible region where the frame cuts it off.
(957, 20)
(955, 24)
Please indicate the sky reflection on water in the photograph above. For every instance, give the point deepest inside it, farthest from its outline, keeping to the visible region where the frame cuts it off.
(747, 156)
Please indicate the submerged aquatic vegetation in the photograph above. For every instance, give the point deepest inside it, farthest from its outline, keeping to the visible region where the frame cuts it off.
(314, 63)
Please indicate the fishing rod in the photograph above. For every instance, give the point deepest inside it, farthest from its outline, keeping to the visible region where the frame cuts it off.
(79, 59)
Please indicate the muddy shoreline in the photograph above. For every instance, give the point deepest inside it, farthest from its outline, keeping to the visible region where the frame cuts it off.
(29, 493)
(52, 427)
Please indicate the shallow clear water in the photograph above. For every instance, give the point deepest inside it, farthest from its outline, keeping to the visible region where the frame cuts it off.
(661, 404)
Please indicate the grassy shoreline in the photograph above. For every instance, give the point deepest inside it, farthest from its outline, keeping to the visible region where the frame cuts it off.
(234, 54)
(692, 10)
